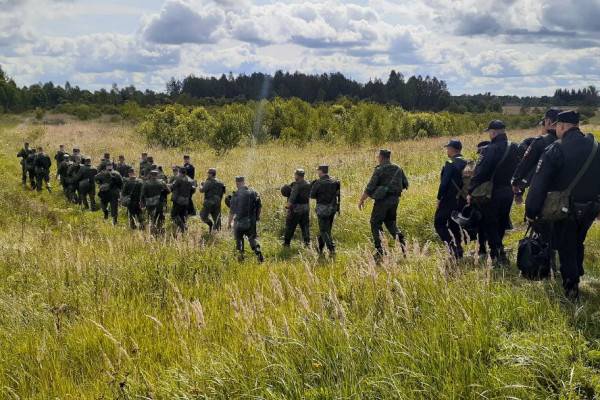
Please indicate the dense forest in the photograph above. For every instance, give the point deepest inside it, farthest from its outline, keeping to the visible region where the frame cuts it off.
(413, 94)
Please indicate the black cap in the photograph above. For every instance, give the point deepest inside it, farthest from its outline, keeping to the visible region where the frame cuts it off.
(212, 171)
(385, 153)
(455, 144)
(496, 124)
(182, 170)
(299, 172)
(107, 155)
(323, 168)
(569, 117)
(240, 178)
(121, 157)
(186, 156)
(552, 113)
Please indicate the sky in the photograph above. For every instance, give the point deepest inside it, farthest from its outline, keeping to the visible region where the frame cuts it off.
(522, 47)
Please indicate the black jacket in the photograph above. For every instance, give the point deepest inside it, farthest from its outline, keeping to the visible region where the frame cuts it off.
(246, 203)
(526, 168)
(325, 190)
(557, 169)
(190, 170)
(488, 164)
(451, 178)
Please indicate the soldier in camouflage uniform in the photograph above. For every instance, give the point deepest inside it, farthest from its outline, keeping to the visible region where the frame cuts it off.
(72, 170)
(63, 167)
(147, 167)
(59, 156)
(110, 184)
(298, 211)
(385, 187)
(213, 190)
(42, 164)
(245, 212)
(85, 182)
(153, 195)
(182, 190)
(30, 167)
(131, 199)
(23, 154)
(122, 167)
(327, 192)
(104, 162)
(143, 165)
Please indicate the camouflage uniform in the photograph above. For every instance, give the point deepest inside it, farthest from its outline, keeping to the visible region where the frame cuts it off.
(182, 190)
(246, 206)
(23, 154)
(326, 191)
(110, 184)
(213, 190)
(153, 195)
(84, 180)
(131, 198)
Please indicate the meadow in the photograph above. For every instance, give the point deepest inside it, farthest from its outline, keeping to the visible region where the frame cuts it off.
(92, 311)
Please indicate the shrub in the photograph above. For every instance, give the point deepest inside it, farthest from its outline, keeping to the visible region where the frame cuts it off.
(132, 111)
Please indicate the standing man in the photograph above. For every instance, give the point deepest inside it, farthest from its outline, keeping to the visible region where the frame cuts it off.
(42, 164)
(574, 156)
(190, 171)
(85, 181)
(122, 167)
(131, 199)
(298, 211)
(30, 167)
(110, 185)
(63, 167)
(23, 154)
(104, 162)
(72, 170)
(148, 167)
(182, 190)
(143, 164)
(213, 190)
(58, 157)
(327, 192)
(243, 217)
(450, 198)
(76, 155)
(385, 187)
(493, 174)
(154, 194)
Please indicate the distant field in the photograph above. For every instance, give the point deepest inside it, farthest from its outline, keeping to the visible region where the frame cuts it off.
(90, 311)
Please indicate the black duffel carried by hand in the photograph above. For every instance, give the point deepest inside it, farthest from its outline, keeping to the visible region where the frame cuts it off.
(534, 256)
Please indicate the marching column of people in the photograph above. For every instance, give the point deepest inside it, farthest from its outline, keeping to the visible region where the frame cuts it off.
(559, 168)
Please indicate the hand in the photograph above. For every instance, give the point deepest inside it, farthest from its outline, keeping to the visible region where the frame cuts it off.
(469, 199)
(361, 204)
(516, 189)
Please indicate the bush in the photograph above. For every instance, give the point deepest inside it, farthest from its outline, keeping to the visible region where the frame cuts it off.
(39, 113)
(232, 126)
(132, 111)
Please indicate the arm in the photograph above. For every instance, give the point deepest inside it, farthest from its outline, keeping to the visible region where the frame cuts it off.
(369, 190)
(527, 164)
(293, 196)
(548, 167)
(258, 207)
(483, 170)
(445, 181)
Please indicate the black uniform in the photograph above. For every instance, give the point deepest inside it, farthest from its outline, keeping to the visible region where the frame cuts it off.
(246, 206)
(298, 212)
(86, 184)
(496, 213)
(556, 170)
(450, 199)
(154, 194)
(123, 169)
(182, 190)
(526, 168)
(145, 168)
(190, 171)
(110, 185)
(131, 199)
(23, 154)
(30, 167)
(103, 163)
(326, 191)
(385, 209)
(210, 214)
(63, 167)
(42, 165)
(72, 187)
(59, 157)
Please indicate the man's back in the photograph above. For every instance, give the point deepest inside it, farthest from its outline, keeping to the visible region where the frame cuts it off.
(325, 190)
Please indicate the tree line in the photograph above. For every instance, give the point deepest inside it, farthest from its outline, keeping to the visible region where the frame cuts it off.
(415, 93)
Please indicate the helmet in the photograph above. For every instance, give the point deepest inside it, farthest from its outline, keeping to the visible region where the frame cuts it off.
(469, 217)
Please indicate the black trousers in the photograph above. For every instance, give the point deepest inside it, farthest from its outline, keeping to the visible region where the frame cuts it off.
(448, 230)
(292, 221)
(191, 209)
(325, 237)
(136, 221)
(211, 216)
(31, 175)
(250, 233)
(23, 174)
(88, 198)
(110, 200)
(41, 176)
(179, 216)
(156, 217)
(570, 236)
(496, 219)
(385, 213)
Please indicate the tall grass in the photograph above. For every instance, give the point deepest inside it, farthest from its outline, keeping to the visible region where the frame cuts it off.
(91, 311)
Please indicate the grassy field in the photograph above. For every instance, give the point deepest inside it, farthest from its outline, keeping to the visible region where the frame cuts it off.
(92, 311)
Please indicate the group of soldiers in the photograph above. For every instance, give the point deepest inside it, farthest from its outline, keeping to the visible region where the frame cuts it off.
(481, 191)
(560, 168)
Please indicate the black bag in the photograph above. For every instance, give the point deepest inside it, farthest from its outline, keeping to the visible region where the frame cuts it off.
(153, 201)
(534, 256)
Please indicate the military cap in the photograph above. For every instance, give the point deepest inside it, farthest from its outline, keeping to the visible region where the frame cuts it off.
(455, 144)
(186, 156)
(144, 154)
(182, 170)
(240, 178)
(385, 153)
(154, 172)
(569, 117)
(66, 156)
(551, 114)
(323, 168)
(299, 172)
(496, 125)
(76, 149)
(121, 157)
(106, 155)
(212, 171)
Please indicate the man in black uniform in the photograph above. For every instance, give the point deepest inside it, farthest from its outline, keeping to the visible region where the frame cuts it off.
(72, 170)
(243, 217)
(104, 162)
(298, 211)
(327, 192)
(143, 164)
(146, 167)
(385, 187)
(450, 199)
(213, 190)
(182, 190)
(63, 167)
(154, 195)
(84, 179)
(110, 185)
(23, 154)
(190, 171)
(42, 164)
(497, 165)
(30, 167)
(131, 199)
(122, 167)
(556, 171)
(59, 156)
